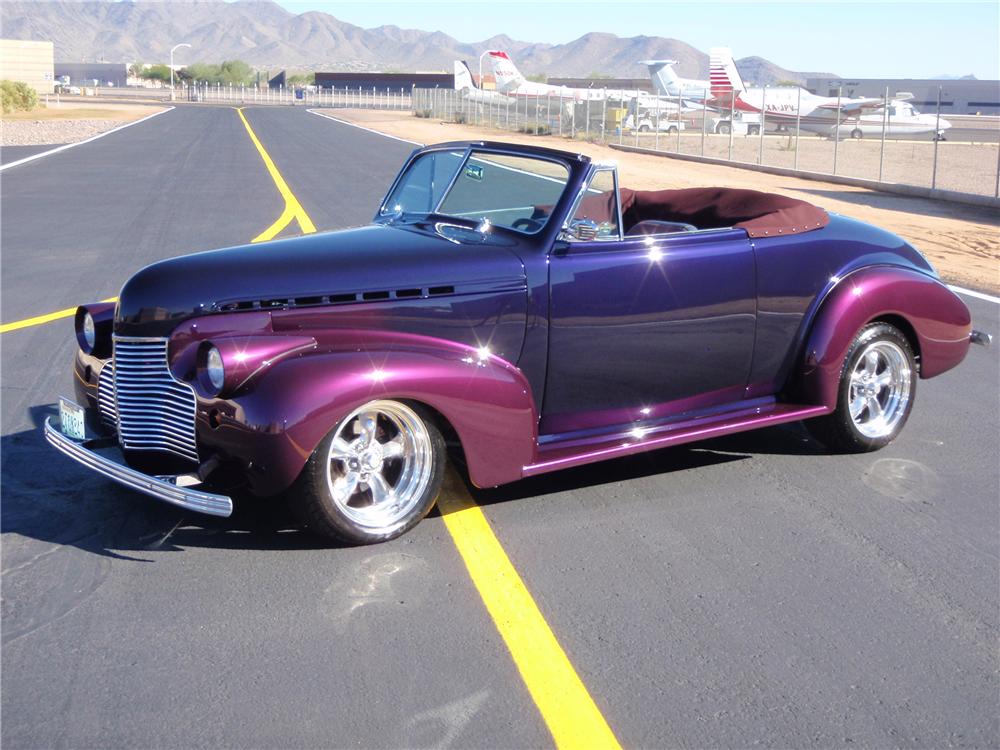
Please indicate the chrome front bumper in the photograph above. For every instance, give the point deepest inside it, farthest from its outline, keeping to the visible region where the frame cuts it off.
(167, 488)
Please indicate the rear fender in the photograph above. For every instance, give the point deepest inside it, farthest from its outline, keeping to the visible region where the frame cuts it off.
(938, 319)
(296, 402)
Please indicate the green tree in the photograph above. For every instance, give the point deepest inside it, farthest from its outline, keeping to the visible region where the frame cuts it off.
(301, 79)
(537, 77)
(235, 72)
(158, 72)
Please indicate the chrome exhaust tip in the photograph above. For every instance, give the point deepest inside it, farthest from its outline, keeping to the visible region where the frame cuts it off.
(979, 338)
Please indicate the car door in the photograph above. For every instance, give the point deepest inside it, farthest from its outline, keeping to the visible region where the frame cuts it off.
(645, 327)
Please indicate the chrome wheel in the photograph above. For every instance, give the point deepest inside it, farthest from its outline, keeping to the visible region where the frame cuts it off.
(379, 465)
(880, 388)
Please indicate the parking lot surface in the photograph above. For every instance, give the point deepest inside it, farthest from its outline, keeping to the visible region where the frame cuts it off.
(750, 590)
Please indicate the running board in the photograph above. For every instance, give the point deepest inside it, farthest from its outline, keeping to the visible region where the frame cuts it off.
(567, 453)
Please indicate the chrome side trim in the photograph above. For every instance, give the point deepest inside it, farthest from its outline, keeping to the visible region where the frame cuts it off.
(168, 489)
(980, 338)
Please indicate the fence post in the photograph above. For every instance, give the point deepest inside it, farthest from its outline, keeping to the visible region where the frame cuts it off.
(937, 141)
(704, 121)
(635, 118)
(885, 125)
(604, 117)
(836, 130)
(732, 113)
(587, 131)
(798, 121)
(678, 121)
(656, 124)
(763, 121)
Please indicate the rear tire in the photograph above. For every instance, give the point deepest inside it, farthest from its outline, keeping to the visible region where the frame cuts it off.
(374, 476)
(878, 384)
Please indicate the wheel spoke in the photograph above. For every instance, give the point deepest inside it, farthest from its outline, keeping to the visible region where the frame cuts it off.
(885, 379)
(381, 491)
(345, 486)
(367, 424)
(394, 448)
(857, 406)
(340, 450)
(875, 408)
(871, 362)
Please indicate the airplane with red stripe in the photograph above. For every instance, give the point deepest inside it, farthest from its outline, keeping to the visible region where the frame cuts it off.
(779, 106)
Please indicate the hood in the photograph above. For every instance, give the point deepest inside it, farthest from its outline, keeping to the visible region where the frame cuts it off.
(357, 265)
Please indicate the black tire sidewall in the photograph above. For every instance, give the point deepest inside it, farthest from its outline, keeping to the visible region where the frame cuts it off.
(315, 507)
(844, 433)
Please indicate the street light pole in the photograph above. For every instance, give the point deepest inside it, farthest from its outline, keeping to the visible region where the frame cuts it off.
(481, 67)
(176, 46)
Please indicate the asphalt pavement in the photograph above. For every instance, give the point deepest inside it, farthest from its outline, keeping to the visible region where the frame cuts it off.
(750, 590)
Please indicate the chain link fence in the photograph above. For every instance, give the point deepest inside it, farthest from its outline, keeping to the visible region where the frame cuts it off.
(872, 146)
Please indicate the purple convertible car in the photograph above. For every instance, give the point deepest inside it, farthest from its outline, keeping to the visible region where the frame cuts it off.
(517, 302)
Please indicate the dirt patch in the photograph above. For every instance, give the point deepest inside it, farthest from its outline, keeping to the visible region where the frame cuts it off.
(67, 122)
(963, 242)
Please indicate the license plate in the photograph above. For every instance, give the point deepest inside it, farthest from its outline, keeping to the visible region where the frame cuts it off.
(71, 418)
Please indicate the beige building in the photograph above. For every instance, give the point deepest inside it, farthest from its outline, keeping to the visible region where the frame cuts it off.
(30, 62)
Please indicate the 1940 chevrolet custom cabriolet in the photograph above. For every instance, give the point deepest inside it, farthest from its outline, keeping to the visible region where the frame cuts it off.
(518, 301)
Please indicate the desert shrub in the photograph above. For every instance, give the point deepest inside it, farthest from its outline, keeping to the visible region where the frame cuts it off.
(422, 113)
(17, 95)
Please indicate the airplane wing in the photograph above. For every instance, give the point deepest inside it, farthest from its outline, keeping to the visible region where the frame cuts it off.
(853, 106)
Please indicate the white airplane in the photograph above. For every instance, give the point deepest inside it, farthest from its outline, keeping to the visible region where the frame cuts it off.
(467, 88)
(900, 119)
(667, 83)
(779, 106)
(511, 83)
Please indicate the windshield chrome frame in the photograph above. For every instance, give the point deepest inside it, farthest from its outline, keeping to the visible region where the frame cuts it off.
(479, 147)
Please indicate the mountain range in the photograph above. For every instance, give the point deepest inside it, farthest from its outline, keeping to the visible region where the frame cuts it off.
(266, 35)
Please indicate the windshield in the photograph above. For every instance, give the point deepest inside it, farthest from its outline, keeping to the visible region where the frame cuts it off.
(516, 192)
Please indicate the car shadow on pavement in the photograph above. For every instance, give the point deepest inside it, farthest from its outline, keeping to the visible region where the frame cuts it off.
(50, 498)
(789, 439)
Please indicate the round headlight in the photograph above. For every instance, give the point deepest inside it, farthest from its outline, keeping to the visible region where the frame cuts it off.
(89, 331)
(214, 369)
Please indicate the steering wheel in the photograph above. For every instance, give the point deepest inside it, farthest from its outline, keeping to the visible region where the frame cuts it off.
(527, 224)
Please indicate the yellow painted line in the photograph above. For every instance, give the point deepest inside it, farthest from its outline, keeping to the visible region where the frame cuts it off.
(293, 209)
(567, 708)
(48, 318)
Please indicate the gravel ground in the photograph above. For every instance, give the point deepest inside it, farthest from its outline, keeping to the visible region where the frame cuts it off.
(41, 132)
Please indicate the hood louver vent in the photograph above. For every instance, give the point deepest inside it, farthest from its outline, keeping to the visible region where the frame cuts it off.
(334, 299)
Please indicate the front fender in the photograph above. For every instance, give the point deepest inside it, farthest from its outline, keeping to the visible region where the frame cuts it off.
(296, 402)
(938, 319)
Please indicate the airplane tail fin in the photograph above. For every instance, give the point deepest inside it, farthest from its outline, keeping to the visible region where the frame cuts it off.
(463, 76)
(722, 73)
(665, 80)
(506, 73)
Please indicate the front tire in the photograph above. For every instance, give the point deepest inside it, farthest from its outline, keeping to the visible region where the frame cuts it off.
(878, 384)
(856, 134)
(374, 476)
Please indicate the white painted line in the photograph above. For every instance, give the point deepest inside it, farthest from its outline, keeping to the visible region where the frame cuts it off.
(56, 150)
(977, 295)
(361, 127)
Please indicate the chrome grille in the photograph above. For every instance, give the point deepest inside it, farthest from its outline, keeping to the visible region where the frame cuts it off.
(155, 411)
(106, 396)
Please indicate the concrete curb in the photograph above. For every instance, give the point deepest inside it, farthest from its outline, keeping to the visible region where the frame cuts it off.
(913, 191)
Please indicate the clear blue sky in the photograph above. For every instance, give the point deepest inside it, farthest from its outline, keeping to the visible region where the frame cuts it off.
(852, 39)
